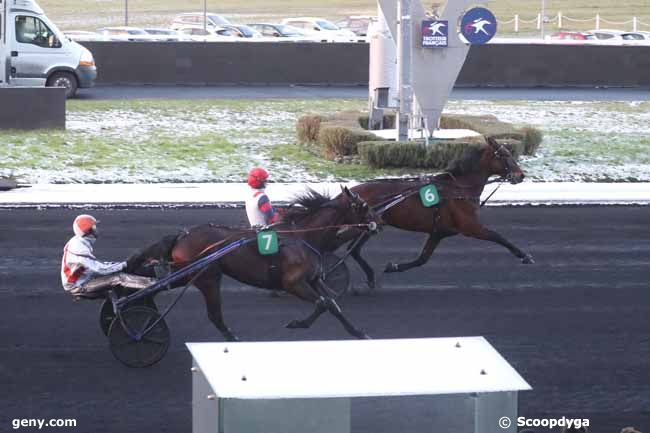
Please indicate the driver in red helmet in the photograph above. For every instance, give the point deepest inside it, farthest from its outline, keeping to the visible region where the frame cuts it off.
(259, 209)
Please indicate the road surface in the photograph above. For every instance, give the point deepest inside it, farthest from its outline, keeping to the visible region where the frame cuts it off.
(575, 324)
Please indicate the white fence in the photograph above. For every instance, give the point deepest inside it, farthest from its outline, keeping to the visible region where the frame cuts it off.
(561, 21)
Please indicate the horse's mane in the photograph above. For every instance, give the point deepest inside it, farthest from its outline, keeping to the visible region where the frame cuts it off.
(468, 162)
(305, 204)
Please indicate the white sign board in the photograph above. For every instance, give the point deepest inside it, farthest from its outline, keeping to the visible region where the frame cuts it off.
(318, 369)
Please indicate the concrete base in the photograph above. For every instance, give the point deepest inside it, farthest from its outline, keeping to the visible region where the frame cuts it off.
(27, 108)
(439, 134)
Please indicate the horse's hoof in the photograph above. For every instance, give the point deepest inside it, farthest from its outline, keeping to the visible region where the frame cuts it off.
(527, 260)
(295, 324)
(391, 267)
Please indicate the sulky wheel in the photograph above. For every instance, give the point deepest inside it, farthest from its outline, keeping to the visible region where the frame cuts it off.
(130, 347)
(106, 313)
(337, 280)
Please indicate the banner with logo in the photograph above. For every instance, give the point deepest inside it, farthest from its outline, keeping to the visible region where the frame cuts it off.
(478, 26)
(435, 33)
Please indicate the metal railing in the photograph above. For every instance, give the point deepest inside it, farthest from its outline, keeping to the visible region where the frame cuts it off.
(558, 21)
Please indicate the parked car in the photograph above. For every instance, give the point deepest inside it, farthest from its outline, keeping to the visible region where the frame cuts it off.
(82, 35)
(199, 34)
(167, 35)
(357, 24)
(642, 38)
(322, 27)
(244, 31)
(603, 35)
(288, 33)
(195, 19)
(572, 36)
(130, 34)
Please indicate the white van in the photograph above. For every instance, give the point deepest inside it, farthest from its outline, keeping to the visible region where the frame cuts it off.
(36, 53)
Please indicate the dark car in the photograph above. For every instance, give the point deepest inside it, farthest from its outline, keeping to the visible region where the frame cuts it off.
(243, 31)
(278, 30)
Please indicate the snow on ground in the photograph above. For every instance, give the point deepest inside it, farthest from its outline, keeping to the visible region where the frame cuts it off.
(218, 141)
(527, 193)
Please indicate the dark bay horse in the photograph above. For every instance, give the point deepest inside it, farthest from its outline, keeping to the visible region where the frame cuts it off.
(296, 268)
(460, 188)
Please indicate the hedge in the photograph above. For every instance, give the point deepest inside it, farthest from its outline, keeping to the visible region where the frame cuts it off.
(413, 154)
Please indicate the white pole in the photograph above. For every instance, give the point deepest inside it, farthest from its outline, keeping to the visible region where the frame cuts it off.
(559, 19)
(597, 21)
(205, 14)
(4, 51)
(516, 23)
(541, 20)
(634, 24)
(404, 69)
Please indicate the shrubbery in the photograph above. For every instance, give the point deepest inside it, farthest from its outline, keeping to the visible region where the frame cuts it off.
(413, 154)
(342, 137)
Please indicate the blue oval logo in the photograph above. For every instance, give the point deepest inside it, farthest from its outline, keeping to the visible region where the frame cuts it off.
(478, 26)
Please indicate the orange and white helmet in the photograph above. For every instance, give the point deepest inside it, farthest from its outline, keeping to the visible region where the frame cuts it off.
(84, 225)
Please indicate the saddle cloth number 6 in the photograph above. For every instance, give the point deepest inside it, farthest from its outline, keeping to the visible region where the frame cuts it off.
(429, 195)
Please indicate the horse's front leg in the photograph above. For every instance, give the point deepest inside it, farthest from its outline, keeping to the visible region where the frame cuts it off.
(429, 246)
(336, 311)
(483, 233)
(371, 280)
(209, 284)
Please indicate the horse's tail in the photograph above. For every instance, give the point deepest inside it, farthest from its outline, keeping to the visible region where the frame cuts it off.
(160, 251)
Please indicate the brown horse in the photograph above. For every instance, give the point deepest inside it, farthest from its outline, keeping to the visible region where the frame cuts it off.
(460, 188)
(296, 268)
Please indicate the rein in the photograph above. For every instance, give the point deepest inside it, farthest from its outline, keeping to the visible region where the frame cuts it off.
(370, 226)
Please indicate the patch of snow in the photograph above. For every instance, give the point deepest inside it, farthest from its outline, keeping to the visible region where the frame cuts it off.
(209, 194)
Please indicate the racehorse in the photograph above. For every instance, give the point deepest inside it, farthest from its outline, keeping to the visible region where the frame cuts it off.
(298, 262)
(398, 203)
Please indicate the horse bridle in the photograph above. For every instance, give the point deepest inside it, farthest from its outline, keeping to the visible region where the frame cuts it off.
(357, 201)
(506, 158)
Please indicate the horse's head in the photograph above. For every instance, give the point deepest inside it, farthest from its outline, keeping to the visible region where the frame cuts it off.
(357, 211)
(500, 161)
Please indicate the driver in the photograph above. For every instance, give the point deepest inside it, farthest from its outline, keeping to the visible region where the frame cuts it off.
(259, 209)
(82, 274)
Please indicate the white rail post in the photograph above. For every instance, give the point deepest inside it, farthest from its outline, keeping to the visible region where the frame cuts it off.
(4, 49)
(404, 69)
(635, 24)
(539, 21)
(542, 17)
(516, 23)
(559, 20)
(597, 21)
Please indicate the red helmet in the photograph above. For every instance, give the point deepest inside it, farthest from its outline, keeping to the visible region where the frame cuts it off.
(257, 177)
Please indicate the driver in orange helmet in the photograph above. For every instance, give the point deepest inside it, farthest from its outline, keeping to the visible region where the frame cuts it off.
(82, 274)
(259, 209)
